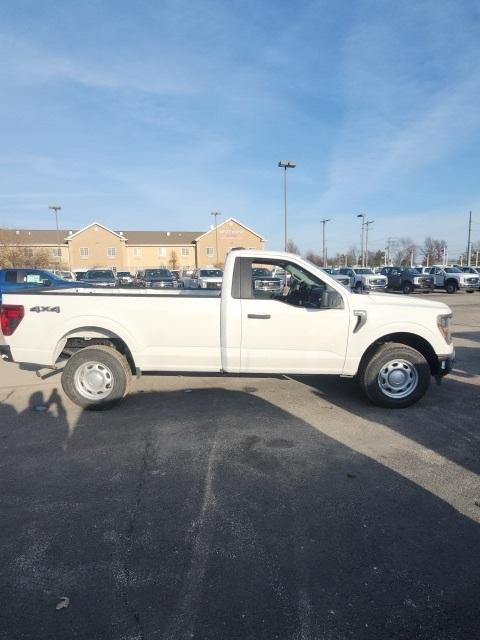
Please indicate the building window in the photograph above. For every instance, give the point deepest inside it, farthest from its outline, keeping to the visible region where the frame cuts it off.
(162, 252)
(111, 252)
(185, 251)
(57, 252)
(137, 252)
(210, 252)
(84, 252)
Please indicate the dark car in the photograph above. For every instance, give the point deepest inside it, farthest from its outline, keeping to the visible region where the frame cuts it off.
(408, 279)
(156, 279)
(15, 279)
(100, 278)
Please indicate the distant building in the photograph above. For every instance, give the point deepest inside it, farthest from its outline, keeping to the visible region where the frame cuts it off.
(98, 246)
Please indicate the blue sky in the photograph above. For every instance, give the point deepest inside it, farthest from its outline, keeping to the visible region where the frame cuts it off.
(151, 114)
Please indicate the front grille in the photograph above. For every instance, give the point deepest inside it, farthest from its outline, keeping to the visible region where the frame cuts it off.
(214, 285)
(471, 280)
(162, 285)
(378, 283)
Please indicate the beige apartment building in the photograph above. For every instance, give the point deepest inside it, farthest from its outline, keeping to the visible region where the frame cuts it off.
(98, 246)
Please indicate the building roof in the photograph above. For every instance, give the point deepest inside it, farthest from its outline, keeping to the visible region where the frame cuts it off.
(51, 236)
(144, 238)
(161, 237)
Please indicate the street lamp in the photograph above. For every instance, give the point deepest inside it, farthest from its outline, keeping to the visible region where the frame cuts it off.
(367, 224)
(323, 240)
(215, 214)
(285, 164)
(56, 208)
(362, 215)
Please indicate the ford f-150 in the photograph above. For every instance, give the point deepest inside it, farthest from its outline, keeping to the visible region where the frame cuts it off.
(313, 325)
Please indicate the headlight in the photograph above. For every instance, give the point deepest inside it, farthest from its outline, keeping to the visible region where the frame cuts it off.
(443, 324)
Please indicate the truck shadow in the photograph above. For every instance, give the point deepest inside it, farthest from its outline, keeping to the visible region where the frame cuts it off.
(215, 514)
(446, 420)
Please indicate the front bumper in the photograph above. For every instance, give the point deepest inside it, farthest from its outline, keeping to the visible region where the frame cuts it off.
(445, 365)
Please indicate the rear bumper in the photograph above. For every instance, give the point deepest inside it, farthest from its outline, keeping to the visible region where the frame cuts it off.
(5, 353)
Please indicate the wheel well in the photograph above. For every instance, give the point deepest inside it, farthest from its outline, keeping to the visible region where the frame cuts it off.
(411, 340)
(75, 343)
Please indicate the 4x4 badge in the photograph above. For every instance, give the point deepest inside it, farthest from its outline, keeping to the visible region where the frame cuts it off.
(41, 309)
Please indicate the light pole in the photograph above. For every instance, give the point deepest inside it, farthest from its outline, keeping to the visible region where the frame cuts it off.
(362, 216)
(367, 224)
(323, 240)
(285, 164)
(56, 208)
(215, 214)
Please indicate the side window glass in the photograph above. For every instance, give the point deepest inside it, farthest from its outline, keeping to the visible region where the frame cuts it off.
(11, 276)
(291, 284)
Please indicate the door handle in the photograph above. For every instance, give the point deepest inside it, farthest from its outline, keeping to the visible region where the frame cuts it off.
(259, 316)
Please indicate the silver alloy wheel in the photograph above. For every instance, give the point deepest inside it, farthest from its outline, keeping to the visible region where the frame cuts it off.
(94, 380)
(398, 378)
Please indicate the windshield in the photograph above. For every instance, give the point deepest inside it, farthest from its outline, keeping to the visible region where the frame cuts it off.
(263, 273)
(123, 273)
(452, 270)
(211, 273)
(367, 272)
(99, 275)
(157, 273)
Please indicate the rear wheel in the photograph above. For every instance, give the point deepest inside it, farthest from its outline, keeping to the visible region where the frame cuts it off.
(451, 287)
(407, 287)
(96, 377)
(396, 376)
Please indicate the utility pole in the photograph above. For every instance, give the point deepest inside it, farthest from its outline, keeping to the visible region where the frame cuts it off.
(56, 208)
(367, 224)
(362, 216)
(444, 255)
(215, 214)
(323, 240)
(285, 164)
(469, 243)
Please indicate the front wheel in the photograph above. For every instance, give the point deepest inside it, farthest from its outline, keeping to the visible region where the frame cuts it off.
(451, 287)
(470, 291)
(96, 377)
(396, 376)
(407, 288)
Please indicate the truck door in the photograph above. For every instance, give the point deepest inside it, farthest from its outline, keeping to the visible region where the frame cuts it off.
(439, 276)
(302, 329)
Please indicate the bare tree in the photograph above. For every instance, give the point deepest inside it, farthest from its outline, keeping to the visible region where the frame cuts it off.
(292, 247)
(405, 252)
(432, 250)
(173, 262)
(315, 258)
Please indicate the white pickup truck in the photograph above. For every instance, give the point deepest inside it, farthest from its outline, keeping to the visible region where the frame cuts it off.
(313, 325)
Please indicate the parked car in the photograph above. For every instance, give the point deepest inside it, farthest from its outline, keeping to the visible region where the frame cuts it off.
(453, 279)
(124, 278)
(392, 345)
(209, 278)
(263, 280)
(177, 274)
(363, 279)
(15, 279)
(64, 275)
(156, 279)
(408, 279)
(339, 277)
(100, 278)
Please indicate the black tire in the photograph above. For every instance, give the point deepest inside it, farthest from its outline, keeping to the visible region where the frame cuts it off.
(375, 376)
(451, 287)
(358, 287)
(108, 366)
(407, 287)
(470, 291)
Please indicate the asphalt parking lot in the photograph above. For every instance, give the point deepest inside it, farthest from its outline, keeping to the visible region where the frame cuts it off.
(249, 508)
